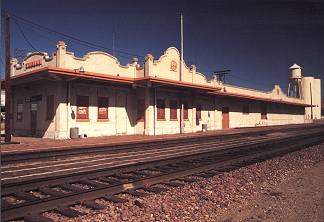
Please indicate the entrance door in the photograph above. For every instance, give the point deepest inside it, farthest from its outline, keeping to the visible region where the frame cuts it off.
(33, 119)
(225, 117)
(121, 115)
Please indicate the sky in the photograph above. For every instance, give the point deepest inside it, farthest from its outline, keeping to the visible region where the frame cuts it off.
(258, 40)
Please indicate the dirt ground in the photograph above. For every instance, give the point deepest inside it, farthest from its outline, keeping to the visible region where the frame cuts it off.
(301, 198)
(287, 188)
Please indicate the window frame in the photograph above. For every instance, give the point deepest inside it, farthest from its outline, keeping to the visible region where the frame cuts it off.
(50, 107)
(198, 111)
(160, 106)
(140, 116)
(185, 110)
(79, 117)
(173, 110)
(104, 106)
(19, 114)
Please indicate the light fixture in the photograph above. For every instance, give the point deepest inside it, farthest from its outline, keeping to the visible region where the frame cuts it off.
(81, 69)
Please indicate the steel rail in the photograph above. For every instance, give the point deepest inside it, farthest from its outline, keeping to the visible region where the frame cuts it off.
(22, 156)
(201, 149)
(259, 153)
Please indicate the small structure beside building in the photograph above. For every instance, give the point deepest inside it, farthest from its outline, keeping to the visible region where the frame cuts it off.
(99, 96)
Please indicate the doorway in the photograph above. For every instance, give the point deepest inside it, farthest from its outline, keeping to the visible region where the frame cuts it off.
(33, 119)
(225, 117)
(121, 113)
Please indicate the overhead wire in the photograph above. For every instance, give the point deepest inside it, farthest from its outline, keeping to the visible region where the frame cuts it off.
(25, 37)
(66, 36)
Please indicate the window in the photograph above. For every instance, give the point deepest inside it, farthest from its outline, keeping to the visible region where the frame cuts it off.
(140, 110)
(160, 109)
(246, 109)
(83, 107)
(49, 107)
(198, 111)
(173, 110)
(185, 110)
(103, 104)
(19, 110)
(263, 111)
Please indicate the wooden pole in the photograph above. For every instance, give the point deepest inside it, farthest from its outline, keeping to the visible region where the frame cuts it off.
(8, 114)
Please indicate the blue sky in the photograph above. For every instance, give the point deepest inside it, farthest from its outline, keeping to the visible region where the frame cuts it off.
(257, 40)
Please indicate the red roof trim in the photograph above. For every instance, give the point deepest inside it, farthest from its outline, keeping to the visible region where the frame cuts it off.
(238, 95)
(178, 83)
(107, 77)
(90, 75)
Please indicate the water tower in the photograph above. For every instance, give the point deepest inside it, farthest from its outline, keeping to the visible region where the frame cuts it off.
(294, 87)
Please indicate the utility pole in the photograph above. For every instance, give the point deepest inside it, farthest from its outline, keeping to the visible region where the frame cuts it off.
(7, 83)
(181, 77)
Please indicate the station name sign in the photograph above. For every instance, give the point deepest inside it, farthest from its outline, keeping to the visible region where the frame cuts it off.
(32, 64)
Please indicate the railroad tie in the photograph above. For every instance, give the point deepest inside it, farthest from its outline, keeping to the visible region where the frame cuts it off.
(109, 180)
(69, 212)
(67, 186)
(5, 204)
(114, 199)
(92, 183)
(155, 189)
(36, 218)
(188, 180)
(92, 204)
(126, 177)
(174, 184)
(26, 196)
(49, 191)
(135, 193)
(204, 175)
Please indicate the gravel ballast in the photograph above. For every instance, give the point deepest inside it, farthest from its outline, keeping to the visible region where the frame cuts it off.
(280, 189)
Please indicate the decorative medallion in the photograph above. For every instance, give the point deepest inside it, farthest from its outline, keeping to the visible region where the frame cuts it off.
(173, 66)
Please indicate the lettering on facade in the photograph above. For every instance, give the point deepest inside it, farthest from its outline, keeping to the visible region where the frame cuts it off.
(173, 66)
(32, 64)
(33, 98)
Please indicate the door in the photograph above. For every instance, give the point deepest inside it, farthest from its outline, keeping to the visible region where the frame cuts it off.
(121, 114)
(33, 119)
(225, 117)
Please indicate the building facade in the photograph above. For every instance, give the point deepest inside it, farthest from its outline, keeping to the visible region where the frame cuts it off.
(100, 97)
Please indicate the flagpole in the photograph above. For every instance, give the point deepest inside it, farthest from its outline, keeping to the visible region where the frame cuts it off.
(181, 77)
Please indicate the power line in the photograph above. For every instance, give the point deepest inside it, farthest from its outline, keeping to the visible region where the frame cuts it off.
(24, 36)
(87, 43)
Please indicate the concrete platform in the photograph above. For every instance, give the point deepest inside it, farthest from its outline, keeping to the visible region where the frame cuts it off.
(30, 144)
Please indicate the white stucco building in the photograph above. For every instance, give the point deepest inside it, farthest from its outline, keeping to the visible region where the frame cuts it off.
(99, 96)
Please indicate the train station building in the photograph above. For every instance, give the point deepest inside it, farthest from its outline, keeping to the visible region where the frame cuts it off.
(97, 96)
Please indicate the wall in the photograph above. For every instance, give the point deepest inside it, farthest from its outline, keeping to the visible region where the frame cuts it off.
(121, 112)
(45, 128)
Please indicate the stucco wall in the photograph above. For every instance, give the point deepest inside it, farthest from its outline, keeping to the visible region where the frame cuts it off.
(45, 128)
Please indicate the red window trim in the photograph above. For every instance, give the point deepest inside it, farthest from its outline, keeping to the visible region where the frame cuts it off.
(106, 106)
(198, 111)
(160, 109)
(173, 110)
(86, 116)
(185, 110)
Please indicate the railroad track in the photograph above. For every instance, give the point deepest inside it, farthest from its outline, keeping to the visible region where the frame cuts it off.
(22, 157)
(103, 160)
(62, 192)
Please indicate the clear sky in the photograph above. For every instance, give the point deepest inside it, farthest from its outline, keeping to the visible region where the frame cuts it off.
(257, 39)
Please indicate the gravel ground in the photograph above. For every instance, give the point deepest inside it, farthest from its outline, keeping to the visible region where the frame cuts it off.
(274, 190)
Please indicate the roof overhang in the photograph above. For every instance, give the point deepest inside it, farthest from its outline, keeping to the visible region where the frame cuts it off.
(255, 98)
(55, 74)
(157, 82)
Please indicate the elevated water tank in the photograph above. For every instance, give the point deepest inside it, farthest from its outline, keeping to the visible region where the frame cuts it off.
(294, 87)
